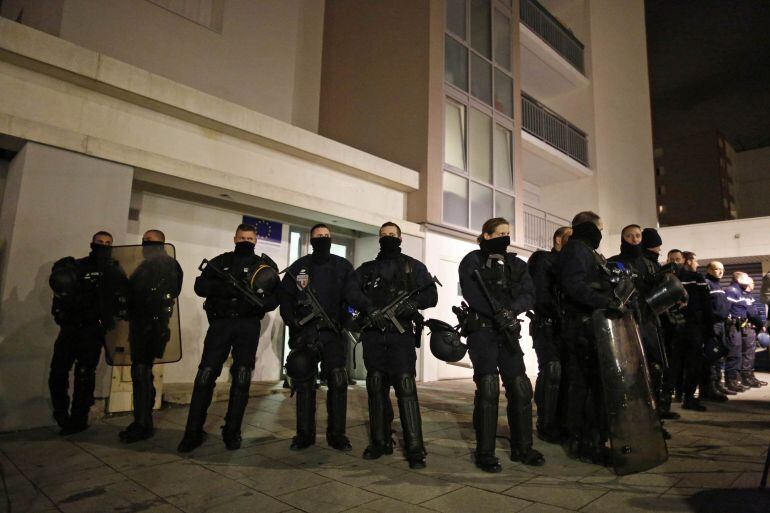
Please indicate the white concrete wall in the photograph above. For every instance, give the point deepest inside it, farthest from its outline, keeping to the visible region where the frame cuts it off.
(751, 173)
(54, 201)
(723, 239)
(267, 56)
(200, 231)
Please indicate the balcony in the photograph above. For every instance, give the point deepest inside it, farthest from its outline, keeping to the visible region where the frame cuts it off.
(539, 226)
(554, 149)
(552, 61)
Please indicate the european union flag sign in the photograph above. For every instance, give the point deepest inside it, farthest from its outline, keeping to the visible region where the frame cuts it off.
(268, 231)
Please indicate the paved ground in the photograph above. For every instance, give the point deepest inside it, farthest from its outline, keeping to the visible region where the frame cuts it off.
(716, 460)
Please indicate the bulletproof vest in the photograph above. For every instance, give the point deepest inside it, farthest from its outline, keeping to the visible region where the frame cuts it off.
(501, 278)
(381, 289)
(98, 295)
(241, 269)
(154, 285)
(326, 281)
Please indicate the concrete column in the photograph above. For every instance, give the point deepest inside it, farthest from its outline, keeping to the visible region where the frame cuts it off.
(53, 202)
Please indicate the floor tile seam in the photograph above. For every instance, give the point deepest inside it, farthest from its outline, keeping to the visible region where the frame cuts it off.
(150, 465)
(584, 506)
(32, 483)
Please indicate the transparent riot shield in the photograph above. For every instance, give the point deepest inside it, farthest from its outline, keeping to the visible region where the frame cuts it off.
(636, 435)
(148, 331)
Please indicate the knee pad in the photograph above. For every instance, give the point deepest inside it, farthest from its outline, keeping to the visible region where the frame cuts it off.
(375, 381)
(140, 372)
(338, 378)
(241, 377)
(553, 372)
(405, 385)
(84, 373)
(488, 386)
(206, 376)
(519, 388)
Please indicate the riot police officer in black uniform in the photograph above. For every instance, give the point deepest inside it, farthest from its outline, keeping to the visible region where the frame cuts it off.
(544, 330)
(234, 325)
(390, 357)
(497, 287)
(328, 278)
(153, 287)
(88, 294)
(585, 287)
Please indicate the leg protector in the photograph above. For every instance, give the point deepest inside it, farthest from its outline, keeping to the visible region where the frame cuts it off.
(236, 406)
(518, 392)
(203, 391)
(58, 384)
(380, 415)
(485, 408)
(411, 421)
(337, 408)
(305, 392)
(83, 393)
(144, 399)
(548, 408)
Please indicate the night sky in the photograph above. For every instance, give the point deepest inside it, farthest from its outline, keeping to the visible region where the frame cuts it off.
(709, 66)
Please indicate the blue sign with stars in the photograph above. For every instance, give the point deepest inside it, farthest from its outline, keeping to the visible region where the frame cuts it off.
(268, 231)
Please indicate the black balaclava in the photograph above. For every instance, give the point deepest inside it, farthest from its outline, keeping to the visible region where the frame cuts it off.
(321, 248)
(650, 238)
(244, 249)
(100, 252)
(589, 233)
(152, 248)
(630, 250)
(495, 245)
(390, 247)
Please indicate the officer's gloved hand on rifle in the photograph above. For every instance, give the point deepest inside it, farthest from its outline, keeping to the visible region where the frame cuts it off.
(615, 309)
(378, 319)
(407, 308)
(505, 319)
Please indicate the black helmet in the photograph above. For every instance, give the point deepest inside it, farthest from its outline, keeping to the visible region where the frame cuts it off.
(64, 277)
(445, 341)
(666, 293)
(264, 280)
(301, 364)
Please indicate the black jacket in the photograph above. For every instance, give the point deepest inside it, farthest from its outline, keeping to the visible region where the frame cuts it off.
(582, 281)
(543, 268)
(519, 298)
(720, 307)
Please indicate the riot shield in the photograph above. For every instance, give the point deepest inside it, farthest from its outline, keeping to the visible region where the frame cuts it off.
(150, 330)
(636, 434)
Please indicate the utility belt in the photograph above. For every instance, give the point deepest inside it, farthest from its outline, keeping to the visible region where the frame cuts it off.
(230, 314)
(737, 322)
(407, 323)
(476, 321)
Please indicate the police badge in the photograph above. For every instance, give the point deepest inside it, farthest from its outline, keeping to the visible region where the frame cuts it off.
(303, 278)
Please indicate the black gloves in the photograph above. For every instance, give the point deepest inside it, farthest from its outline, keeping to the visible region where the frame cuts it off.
(505, 319)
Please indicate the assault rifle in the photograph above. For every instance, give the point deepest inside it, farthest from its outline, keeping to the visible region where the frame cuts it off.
(248, 294)
(389, 310)
(316, 310)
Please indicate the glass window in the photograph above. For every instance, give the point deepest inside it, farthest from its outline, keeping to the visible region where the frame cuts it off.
(455, 199)
(504, 207)
(480, 27)
(481, 205)
(455, 63)
(454, 134)
(455, 17)
(503, 93)
(503, 154)
(502, 40)
(480, 152)
(481, 79)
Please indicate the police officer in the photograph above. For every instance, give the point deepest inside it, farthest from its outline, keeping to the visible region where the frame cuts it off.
(749, 340)
(585, 288)
(390, 357)
(153, 287)
(686, 331)
(88, 294)
(544, 330)
(711, 386)
(493, 343)
(234, 325)
(741, 334)
(328, 277)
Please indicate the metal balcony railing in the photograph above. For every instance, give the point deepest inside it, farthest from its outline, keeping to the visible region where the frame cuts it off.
(557, 36)
(546, 125)
(539, 227)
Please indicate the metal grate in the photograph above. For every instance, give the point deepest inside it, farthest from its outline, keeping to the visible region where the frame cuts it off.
(539, 227)
(537, 18)
(546, 125)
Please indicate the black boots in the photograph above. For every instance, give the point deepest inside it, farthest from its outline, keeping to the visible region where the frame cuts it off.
(305, 392)
(337, 409)
(518, 392)
(380, 416)
(748, 380)
(411, 421)
(485, 407)
(144, 399)
(203, 391)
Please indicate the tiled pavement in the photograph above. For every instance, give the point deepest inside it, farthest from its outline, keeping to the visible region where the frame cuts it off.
(715, 464)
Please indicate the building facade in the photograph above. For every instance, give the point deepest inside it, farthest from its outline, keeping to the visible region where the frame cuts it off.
(188, 115)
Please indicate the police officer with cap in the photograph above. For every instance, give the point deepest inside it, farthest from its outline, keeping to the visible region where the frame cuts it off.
(153, 287)
(89, 293)
(497, 287)
(328, 278)
(544, 330)
(234, 326)
(390, 356)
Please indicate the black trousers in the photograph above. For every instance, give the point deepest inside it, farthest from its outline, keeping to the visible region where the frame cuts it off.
(81, 347)
(686, 360)
(389, 352)
(239, 336)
